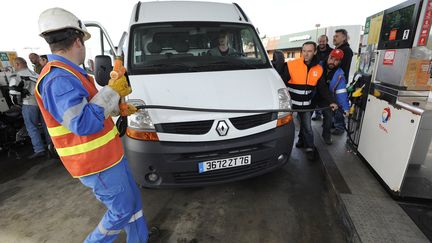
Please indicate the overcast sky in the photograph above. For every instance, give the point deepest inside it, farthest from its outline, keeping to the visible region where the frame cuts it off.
(19, 29)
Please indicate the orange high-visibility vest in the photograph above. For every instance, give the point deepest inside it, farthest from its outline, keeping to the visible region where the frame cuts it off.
(81, 155)
(299, 74)
(302, 83)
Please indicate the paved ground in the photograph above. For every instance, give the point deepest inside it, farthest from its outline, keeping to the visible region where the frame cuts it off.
(373, 215)
(40, 202)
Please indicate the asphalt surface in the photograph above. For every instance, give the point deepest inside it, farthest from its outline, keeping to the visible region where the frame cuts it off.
(40, 202)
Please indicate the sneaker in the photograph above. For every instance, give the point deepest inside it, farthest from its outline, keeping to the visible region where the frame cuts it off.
(311, 154)
(328, 141)
(338, 132)
(300, 144)
(316, 117)
(36, 155)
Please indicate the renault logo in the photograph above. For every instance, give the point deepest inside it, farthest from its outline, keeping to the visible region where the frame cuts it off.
(222, 128)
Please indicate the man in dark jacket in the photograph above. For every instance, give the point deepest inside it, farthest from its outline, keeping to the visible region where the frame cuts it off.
(303, 78)
(323, 48)
(323, 52)
(340, 40)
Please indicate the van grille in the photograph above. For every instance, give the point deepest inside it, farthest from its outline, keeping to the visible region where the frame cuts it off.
(246, 122)
(196, 127)
(203, 127)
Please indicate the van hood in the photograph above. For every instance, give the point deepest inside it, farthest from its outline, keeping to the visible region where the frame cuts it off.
(239, 89)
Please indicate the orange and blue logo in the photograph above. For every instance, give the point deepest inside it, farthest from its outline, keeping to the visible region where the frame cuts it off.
(386, 115)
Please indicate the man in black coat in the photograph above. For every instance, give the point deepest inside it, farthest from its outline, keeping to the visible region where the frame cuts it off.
(340, 40)
(323, 52)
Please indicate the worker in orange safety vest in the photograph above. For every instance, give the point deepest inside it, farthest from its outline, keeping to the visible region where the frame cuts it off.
(78, 118)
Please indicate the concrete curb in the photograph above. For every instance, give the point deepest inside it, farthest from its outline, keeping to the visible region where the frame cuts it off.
(338, 185)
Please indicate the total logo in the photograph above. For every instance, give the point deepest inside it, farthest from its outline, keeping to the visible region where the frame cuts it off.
(386, 115)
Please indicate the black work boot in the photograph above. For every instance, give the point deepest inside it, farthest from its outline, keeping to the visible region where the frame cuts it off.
(36, 155)
(300, 144)
(311, 154)
(338, 132)
(328, 140)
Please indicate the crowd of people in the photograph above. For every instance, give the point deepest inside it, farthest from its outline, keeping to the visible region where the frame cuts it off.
(22, 93)
(317, 81)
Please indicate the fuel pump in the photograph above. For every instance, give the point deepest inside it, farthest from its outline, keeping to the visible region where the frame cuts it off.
(396, 130)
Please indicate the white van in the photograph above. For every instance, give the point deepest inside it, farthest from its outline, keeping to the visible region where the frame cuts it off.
(172, 59)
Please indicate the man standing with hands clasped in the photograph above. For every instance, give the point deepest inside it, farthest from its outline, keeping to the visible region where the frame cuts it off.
(78, 117)
(335, 79)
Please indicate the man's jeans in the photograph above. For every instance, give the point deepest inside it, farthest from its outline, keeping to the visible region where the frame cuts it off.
(339, 120)
(327, 123)
(306, 133)
(32, 118)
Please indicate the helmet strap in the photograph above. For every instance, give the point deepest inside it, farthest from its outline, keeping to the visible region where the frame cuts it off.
(61, 35)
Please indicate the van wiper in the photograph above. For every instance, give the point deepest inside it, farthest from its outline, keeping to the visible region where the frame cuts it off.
(218, 63)
(168, 65)
(226, 65)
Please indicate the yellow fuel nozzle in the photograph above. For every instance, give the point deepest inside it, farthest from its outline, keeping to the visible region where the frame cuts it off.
(351, 110)
(376, 93)
(357, 93)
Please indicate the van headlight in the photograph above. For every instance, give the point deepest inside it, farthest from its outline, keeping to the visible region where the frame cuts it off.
(140, 124)
(284, 117)
(141, 119)
(284, 102)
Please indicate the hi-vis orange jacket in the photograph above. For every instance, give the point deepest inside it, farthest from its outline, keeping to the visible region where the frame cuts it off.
(81, 155)
(302, 83)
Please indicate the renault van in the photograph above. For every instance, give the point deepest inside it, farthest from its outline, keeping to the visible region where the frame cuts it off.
(176, 55)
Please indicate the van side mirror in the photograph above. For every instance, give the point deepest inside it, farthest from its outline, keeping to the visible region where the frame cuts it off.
(103, 67)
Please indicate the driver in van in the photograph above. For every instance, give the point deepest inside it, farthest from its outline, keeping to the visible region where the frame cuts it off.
(222, 49)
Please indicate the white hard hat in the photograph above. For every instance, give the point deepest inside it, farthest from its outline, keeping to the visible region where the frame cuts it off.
(54, 19)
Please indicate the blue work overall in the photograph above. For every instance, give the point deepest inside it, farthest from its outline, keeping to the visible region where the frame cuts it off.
(116, 189)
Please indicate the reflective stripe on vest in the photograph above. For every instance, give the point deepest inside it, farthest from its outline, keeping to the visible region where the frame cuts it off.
(81, 155)
(300, 75)
(298, 91)
(89, 146)
(301, 103)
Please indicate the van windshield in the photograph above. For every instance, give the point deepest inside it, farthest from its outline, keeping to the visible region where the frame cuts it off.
(194, 47)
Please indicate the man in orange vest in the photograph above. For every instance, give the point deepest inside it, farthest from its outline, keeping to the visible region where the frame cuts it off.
(79, 122)
(303, 78)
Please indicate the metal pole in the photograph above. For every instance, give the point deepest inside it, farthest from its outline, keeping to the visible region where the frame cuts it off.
(316, 34)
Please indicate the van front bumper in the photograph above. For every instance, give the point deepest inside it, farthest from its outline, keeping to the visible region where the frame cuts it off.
(175, 164)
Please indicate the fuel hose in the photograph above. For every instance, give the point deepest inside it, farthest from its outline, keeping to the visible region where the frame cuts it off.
(122, 121)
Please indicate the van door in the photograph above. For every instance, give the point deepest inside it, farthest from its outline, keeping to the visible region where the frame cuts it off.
(100, 44)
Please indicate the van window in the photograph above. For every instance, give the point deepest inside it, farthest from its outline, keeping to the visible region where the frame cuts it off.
(194, 47)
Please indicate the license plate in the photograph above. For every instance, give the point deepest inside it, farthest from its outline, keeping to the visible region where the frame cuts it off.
(224, 163)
